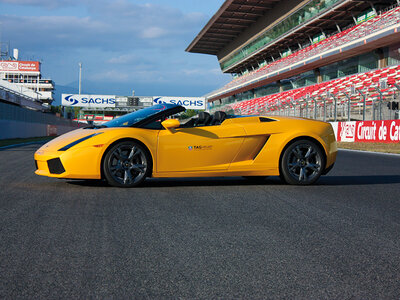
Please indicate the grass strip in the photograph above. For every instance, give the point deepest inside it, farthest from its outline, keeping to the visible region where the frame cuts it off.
(376, 147)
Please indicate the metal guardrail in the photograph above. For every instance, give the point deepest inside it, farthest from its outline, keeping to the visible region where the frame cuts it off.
(18, 90)
(10, 94)
(346, 105)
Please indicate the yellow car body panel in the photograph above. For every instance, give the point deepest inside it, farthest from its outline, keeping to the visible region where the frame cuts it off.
(207, 148)
(243, 146)
(83, 161)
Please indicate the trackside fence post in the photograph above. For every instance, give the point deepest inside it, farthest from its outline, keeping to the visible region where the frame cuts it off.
(380, 103)
(364, 104)
(324, 100)
(348, 105)
(315, 108)
(398, 110)
(334, 107)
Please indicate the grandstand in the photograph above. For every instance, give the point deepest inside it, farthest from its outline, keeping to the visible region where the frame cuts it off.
(21, 96)
(329, 60)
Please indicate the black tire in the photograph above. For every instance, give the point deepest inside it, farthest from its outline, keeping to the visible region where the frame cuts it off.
(127, 164)
(302, 163)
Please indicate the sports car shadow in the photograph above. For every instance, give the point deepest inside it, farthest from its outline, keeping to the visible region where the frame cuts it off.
(359, 180)
(239, 181)
(209, 181)
(92, 183)
(272, 181)
(173, 182)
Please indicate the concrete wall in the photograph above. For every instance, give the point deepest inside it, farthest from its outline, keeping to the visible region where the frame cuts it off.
(17, 129)
(18, 122)
(10, 129)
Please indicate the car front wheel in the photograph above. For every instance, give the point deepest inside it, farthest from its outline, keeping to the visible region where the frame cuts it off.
(126, 164)
(302, 163)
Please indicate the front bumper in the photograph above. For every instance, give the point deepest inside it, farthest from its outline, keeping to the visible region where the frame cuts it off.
(81, 163)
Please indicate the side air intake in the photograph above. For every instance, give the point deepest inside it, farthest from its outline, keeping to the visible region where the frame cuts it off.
(264, 119)
(55, 166)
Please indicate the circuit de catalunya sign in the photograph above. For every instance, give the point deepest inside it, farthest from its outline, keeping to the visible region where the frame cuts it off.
(387, 131)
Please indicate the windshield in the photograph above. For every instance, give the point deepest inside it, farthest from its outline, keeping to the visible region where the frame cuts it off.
(139, 115)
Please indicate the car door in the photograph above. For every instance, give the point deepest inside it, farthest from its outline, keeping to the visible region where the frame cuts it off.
(206, 148)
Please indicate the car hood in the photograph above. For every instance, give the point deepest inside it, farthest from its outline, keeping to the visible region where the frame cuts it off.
(67, 138)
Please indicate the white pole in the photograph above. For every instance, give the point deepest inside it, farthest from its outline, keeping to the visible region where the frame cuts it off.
(37, 84)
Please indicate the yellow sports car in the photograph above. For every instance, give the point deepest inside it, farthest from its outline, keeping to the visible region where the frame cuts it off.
(149, 143)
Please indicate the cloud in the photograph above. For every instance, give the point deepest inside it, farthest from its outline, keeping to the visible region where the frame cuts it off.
(54, 31)
(122, 59)
(119, 42)
(111, 75)
(153, 32)
(49, 4)
(110, 25)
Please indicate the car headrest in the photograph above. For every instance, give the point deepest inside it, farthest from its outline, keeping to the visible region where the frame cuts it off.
(218, 117)
(203, 119)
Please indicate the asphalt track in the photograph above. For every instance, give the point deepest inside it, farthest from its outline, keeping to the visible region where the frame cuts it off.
(201, 238)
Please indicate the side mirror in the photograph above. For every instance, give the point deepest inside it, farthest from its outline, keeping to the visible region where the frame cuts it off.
(171, 124)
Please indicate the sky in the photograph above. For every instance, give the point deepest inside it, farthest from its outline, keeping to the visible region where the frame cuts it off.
(123, 44)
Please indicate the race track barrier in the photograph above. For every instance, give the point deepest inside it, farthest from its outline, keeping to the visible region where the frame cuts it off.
(386, 131)
(18, 122)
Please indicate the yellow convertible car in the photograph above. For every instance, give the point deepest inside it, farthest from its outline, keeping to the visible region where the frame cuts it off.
(150, 143)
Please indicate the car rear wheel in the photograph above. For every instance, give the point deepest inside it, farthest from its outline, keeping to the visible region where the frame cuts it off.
(126, 164)
(302, 163)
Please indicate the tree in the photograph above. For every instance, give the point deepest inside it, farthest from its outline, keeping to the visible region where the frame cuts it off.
(189, 113)
(55, 109)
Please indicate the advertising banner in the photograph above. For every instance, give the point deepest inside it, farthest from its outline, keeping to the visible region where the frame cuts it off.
(88, 100)
(19, 66)
(387, 131)
(51, 130)
(187, 102)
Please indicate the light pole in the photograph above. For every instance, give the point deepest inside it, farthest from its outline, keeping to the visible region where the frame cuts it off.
(80, 77)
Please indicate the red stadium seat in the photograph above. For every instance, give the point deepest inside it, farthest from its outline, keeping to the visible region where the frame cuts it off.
(358, 31)
(337, 87)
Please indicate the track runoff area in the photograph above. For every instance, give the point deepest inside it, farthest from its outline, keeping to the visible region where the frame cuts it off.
(201, 238)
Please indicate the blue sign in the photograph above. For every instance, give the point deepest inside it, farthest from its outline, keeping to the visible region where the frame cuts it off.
(197, 103)
(88, 100)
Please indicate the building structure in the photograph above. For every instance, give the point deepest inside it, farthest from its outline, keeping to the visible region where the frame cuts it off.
(285, 56)
(25, 77)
